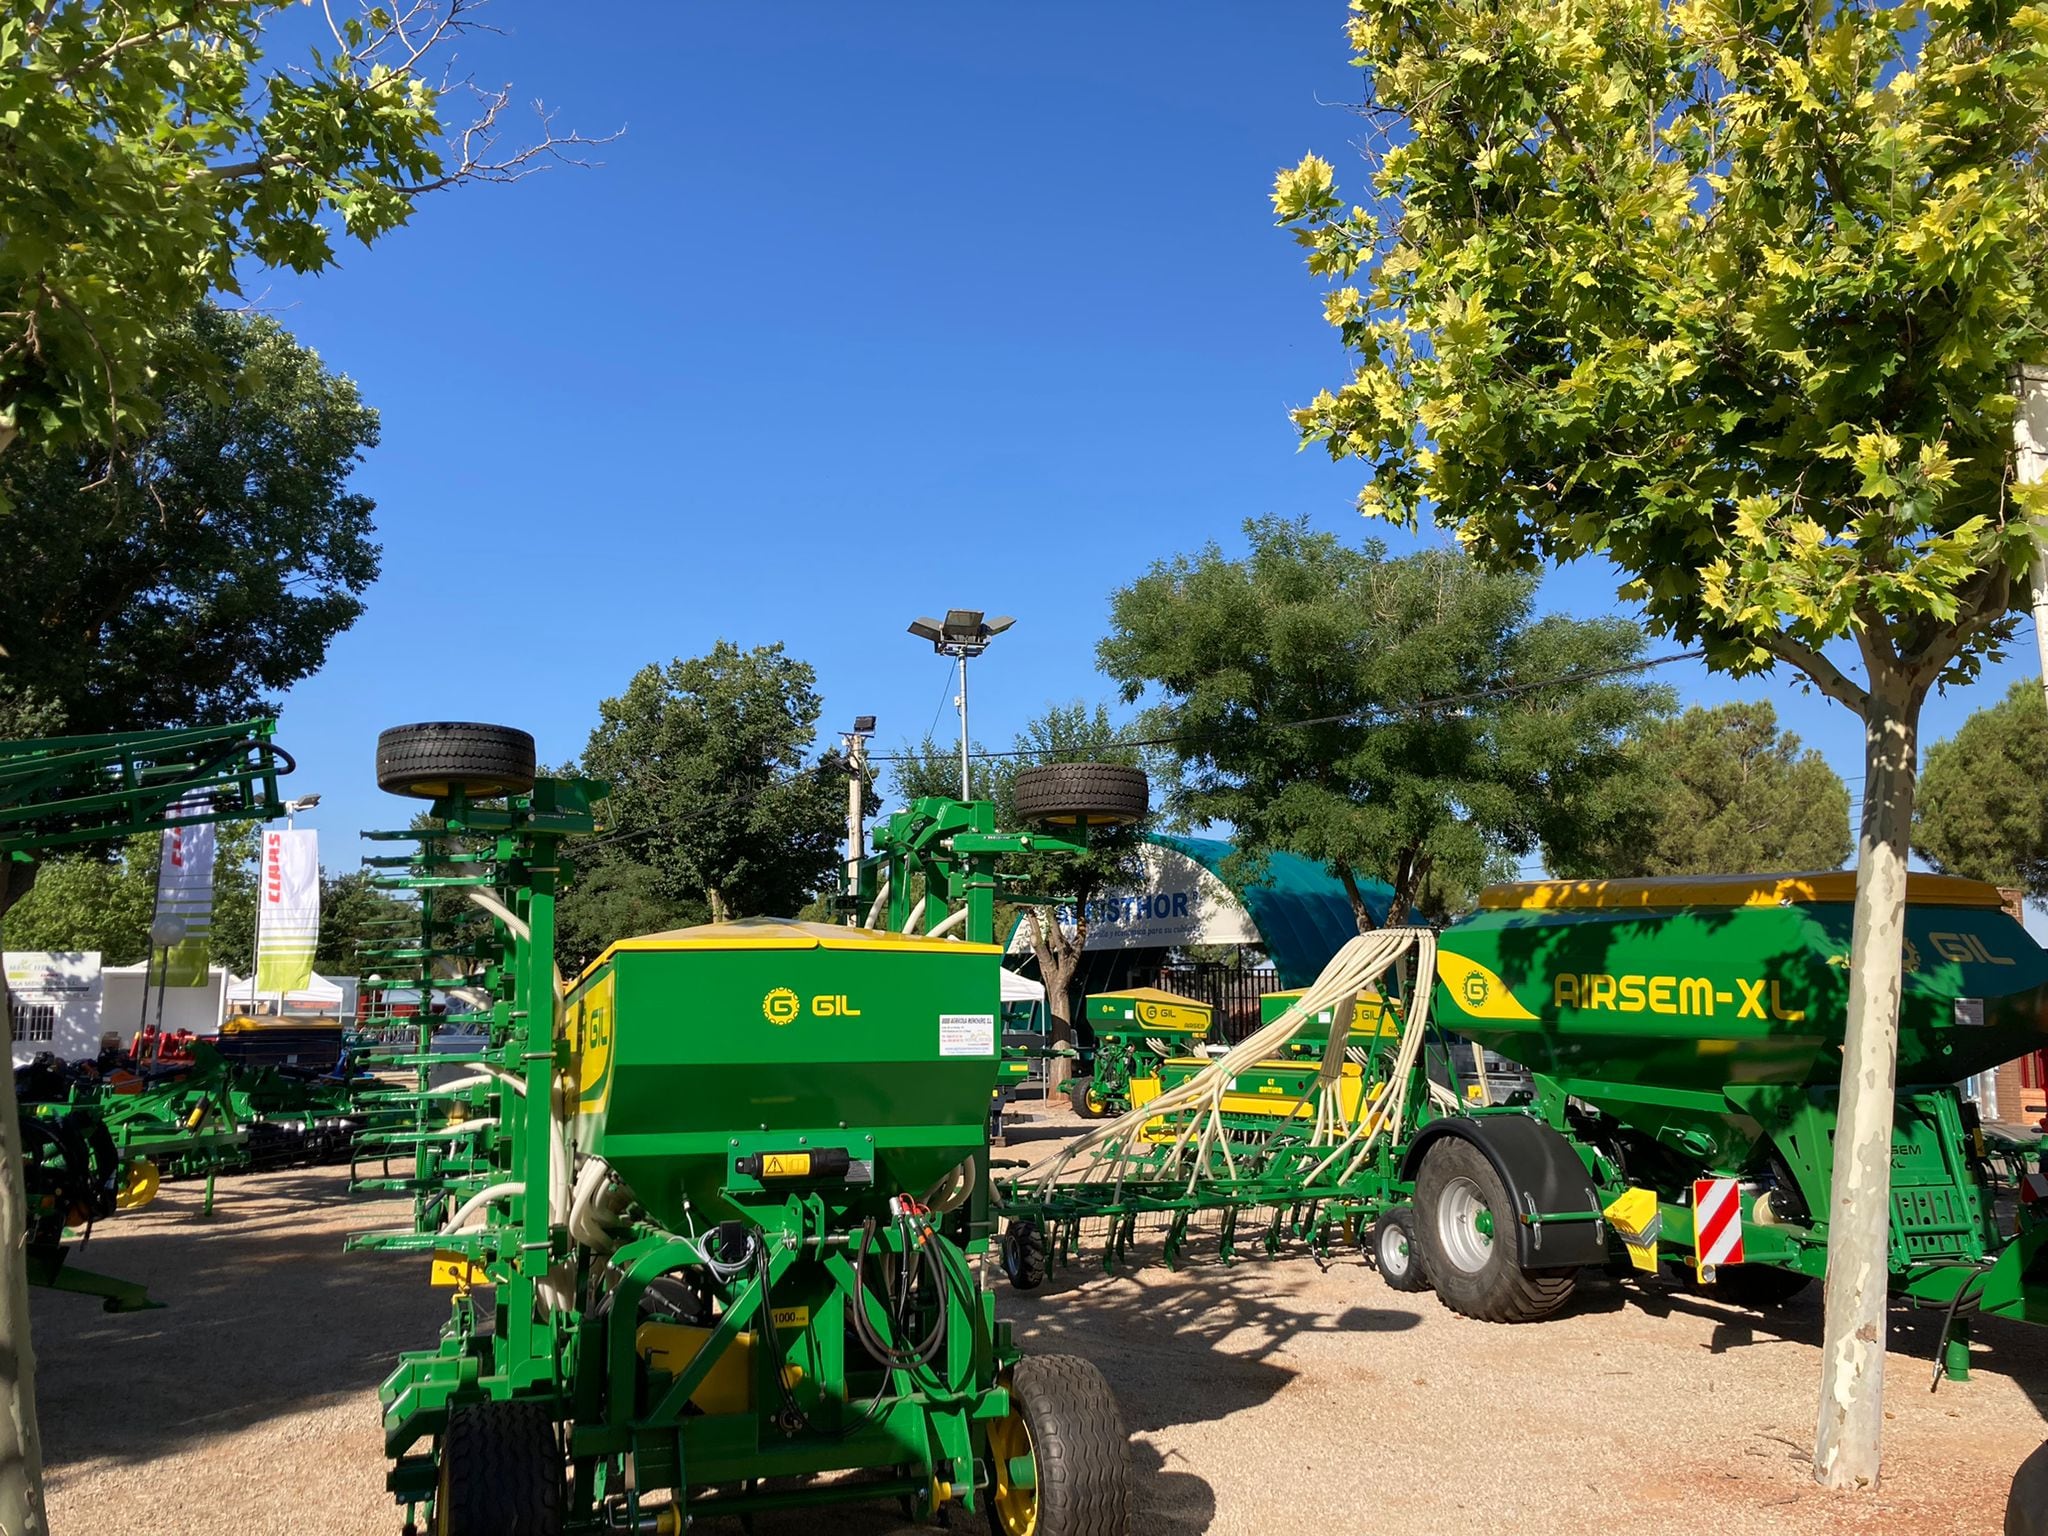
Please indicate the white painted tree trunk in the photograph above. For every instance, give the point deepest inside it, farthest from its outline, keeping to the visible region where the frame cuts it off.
(1847, 1441)
(21, 1443)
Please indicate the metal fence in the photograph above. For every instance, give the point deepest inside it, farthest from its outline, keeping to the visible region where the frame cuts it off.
(1232, 990)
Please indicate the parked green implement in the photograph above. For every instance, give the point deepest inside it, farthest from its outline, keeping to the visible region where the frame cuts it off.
(1684, 1040)
(736, 1237)
(1136, 1031)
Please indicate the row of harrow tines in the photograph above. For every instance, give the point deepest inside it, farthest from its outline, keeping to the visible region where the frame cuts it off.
(1192, 1159)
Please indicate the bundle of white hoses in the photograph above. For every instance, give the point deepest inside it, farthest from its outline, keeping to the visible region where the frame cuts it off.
(1119, 1149)
(554, 1289)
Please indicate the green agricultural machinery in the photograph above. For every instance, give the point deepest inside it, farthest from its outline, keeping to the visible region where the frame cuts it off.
(1137, 1031)
(1684, 1040)
(734, 1251)
(84, 792)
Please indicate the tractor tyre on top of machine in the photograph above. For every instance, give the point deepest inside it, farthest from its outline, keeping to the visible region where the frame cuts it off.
(1064, 1418)
(1465, 1234)
(440, 757)
(1394, 1252)
(1082, 795)
(501, 1473)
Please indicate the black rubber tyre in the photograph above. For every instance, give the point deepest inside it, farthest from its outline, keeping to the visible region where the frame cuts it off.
(1082, 795)
(1080, 1448)
(439, 757)
(2026, 1506)
(1394, 1251)
(1024, 1254)
(1757, 1286)
(1471, 1272)
(501, 1473)
(1078, 1089)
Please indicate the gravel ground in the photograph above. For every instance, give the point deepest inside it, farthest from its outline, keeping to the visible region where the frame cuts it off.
(1263, 1397)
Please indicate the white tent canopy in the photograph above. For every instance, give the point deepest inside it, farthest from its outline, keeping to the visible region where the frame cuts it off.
(1022, 989)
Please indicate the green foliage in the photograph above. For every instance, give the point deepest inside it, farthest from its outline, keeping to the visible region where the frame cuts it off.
(1722, 791)
(186, 582)
(86, 902)
(932, 767)
(353, 912)
(1075, 732)
(710, 786)
(1434, 798)
(149, 154)
(1983, 803)
(614, 896)
(1728, 295)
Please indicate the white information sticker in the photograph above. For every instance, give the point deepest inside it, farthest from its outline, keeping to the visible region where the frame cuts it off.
(967, 1034)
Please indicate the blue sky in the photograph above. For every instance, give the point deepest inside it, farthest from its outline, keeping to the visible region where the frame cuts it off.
(872, 311)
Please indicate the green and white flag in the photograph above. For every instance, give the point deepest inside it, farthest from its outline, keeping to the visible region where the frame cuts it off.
(287, 911)
(184, 899)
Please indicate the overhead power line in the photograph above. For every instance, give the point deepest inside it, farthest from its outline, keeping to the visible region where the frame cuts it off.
(1377, 712)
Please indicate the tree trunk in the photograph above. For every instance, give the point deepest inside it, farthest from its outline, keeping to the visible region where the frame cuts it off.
(1058, 958)
(1359, 913)
(715, 899)
(1846, 1444)
(21, 1443)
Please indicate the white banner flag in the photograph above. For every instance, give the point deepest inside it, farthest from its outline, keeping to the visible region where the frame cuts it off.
(287, 911)
(184, 898)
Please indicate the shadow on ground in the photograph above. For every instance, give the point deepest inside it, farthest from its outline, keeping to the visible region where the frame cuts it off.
(263, 1315)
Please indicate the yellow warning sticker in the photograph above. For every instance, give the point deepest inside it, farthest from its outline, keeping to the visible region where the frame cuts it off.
(785, 1165)
(456, 1269)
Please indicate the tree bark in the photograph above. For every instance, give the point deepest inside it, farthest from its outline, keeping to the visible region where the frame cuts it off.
(1058, 958)
(21, 1442)
(1847, 1440)
(714, 898)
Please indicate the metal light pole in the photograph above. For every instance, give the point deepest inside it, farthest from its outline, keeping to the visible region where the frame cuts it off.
(961, 634)
(856, 742)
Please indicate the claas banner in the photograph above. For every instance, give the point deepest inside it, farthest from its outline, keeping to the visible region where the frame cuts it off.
(184, 891)
(287, 911)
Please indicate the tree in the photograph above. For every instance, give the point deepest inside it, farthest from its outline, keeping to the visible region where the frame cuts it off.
(1732, 297)
(614, 896)
(1983, 802)
(355, 913)
(186, 581)
(1067, 733)
(710, 786)
(86, 901)
(1722, 790)
(1374, 713)
(932, 767)
(150, 155)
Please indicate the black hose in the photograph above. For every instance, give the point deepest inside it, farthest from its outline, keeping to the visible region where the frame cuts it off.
(1948, 1322)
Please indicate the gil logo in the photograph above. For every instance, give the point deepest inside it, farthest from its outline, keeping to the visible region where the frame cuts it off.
(780, 1006)
(1477, 988)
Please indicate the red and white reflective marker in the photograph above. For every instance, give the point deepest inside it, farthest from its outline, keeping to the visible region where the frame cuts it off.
(1716, 1222)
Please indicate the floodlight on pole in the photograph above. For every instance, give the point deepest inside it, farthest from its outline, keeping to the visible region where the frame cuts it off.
(962, 633)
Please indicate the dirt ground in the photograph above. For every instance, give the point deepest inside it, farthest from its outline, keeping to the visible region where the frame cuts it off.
(1268, 1396)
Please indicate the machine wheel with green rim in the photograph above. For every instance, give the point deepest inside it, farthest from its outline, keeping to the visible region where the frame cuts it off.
(500, 1474)
(1394, 1253)
(1088, 1104)
(1024, 1254)
(1464, 1231)
(441, 757)
(1061, 1461)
